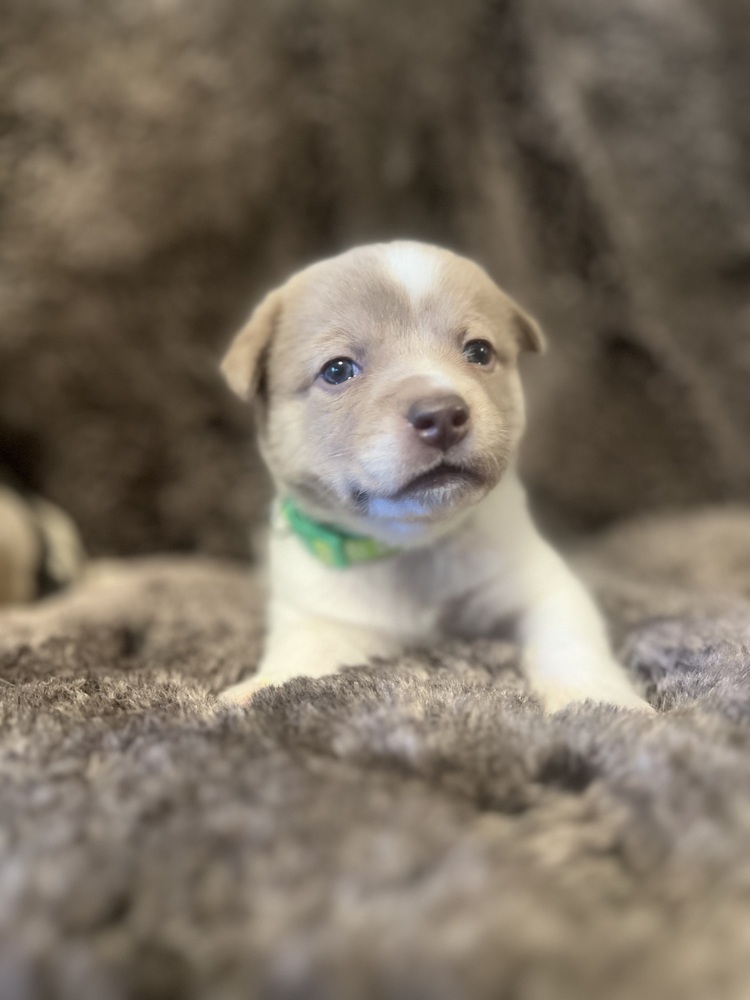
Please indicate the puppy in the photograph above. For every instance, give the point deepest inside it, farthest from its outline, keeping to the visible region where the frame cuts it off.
(40, 549)
(389, 411)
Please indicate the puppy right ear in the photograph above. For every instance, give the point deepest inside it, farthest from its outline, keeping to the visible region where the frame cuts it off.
(528, 332)
(241, 363)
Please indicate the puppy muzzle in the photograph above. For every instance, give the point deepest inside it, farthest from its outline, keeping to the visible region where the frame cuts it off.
(440, 421)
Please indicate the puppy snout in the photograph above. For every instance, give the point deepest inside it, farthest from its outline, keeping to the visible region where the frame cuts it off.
(440, 421)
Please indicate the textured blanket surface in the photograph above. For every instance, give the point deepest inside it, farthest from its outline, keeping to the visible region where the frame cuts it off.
(411, 830)
(414, 829)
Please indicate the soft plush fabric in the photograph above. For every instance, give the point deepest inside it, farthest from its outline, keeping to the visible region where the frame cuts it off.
(415, 830)
(163, 163)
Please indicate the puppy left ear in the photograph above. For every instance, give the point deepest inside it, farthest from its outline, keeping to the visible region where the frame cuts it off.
(528, 332)
(242, 362)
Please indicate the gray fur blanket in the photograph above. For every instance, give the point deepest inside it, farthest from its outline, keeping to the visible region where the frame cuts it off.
(414, 829)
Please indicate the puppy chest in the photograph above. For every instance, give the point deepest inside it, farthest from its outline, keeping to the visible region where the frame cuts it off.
(407, 595)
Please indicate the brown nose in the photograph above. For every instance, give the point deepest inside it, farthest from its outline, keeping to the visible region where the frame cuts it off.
(440, 421)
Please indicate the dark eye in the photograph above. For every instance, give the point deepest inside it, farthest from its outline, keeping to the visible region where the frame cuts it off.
(478, 352)
(339, 370)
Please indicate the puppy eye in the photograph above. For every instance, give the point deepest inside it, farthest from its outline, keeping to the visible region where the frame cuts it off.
(479, 352)
(339, 370)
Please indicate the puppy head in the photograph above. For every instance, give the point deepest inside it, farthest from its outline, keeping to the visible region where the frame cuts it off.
(386, 387)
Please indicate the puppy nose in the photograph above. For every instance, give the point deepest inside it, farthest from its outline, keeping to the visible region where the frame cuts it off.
(440, 421)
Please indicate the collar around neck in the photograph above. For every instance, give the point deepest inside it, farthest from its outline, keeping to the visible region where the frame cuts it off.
(333, 546)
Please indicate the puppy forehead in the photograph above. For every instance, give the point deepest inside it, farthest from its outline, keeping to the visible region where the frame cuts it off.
(390, 287)
(352, 292)
(415, 268)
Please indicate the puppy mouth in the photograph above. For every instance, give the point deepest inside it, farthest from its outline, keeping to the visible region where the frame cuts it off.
(428, 495)
(441, 477)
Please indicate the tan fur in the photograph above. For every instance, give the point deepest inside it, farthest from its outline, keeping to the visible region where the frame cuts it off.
(315, 458)
(348, 455)
(240, 365)
(19, 550)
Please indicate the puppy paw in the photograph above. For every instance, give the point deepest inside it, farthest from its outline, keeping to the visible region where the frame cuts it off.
(554, 698)
(242, 693)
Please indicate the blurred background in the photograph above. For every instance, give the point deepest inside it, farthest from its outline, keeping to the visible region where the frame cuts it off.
(162, 162)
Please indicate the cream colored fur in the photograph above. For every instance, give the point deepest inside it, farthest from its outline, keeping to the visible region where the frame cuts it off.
(19, 550)
(470, 556)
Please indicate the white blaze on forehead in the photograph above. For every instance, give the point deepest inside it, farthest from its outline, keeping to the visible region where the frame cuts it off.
(414, 267)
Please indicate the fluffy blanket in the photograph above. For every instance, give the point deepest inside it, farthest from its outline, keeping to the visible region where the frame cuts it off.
(414, 829)
(163, 165)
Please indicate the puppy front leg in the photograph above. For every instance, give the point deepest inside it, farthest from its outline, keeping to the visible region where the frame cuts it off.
(567, 655)
(567, 652)
(301, 646)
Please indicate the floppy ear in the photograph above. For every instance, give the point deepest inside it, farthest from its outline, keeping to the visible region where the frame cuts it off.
(242, 362)
(528, 332)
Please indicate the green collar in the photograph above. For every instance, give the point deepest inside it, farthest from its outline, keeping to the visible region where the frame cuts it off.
(332, 546)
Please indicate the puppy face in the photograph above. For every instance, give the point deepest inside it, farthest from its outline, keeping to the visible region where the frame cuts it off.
(386, 386)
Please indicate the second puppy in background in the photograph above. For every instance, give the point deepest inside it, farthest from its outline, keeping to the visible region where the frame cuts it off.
(389, 412)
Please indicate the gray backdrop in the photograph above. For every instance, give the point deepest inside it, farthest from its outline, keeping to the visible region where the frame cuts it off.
(162, 163)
